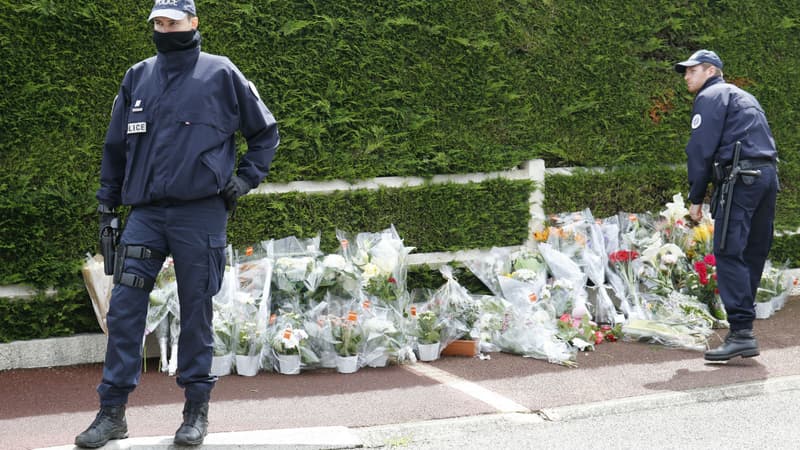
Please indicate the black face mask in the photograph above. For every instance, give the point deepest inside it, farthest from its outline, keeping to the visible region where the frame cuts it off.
(177, 40)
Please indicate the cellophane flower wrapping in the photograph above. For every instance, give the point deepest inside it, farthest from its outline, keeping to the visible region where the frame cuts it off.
(532, 332)
(380, 260)
(774, 284)
(458, 311)
(99, 286)
(252, 302)
(287, 335)
(489, 265)
(295, 275)
(677, 320)
(163, 300)
(224, 307)
(382, 333)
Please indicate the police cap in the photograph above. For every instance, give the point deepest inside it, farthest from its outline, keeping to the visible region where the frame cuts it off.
(173, 9)
(699, 57)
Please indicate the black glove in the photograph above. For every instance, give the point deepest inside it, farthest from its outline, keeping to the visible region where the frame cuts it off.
(236, 187)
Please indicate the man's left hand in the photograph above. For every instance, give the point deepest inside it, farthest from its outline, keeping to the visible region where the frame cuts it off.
(696, 212)
(236, 187)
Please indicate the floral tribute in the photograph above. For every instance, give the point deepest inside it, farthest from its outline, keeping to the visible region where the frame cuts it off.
(579, 283)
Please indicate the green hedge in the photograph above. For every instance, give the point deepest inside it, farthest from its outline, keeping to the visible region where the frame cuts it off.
(389, 88)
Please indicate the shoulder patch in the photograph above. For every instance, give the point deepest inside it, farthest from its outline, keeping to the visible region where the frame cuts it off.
(253, 89)
(696, 121)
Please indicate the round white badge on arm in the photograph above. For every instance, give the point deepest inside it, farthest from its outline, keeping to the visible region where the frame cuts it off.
(696, 121)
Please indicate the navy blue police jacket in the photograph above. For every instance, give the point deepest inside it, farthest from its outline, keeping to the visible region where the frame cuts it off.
(723, 114)
(173, 126)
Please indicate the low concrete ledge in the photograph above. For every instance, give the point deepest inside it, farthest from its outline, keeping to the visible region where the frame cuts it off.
(63, 351)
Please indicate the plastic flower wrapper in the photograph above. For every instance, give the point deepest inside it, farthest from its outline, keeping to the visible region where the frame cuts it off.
(533, 333)
(562, 267)
(636, 231)
(317, 325)
(348, 337)
(675, 224)
(287, 335)
(99, 286)
(664, 267)
(163, 297)
(569, 232)
(774, 284)
(677, 320)
(382, 337)
(294, 262)
(381, 261)
(490, 265)
(495, 315)
(223, 305)
(457, 309)
(595, 263)
(334, 274)
(701, 282)
(585, 334)
(624, 280)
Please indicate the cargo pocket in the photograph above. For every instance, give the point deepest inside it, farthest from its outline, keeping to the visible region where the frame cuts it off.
(216, 261)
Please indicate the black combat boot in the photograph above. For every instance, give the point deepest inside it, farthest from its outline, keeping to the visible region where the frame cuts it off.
(108, 424)
(737, 343)
(195, 424)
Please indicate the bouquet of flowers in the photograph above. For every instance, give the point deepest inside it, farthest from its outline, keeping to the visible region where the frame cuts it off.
(99, 286)
(347, 334)
(295, 272)
(381, 262)
(585, 334)
(382, 338)
(702, 284)
(677, 320)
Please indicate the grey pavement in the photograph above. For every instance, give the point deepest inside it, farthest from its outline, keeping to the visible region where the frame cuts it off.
(623, 395)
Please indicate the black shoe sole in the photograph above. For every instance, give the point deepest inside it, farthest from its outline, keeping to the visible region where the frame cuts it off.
(187, 442)
(101, 443)
(744, 354)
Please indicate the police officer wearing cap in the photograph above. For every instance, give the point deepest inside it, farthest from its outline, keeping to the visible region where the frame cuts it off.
(731, 138)
(169, 155)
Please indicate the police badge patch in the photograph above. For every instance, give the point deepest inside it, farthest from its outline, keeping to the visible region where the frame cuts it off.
(696, 121)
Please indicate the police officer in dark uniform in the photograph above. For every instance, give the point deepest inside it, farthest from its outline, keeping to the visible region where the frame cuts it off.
(169, 154)
(732, 139)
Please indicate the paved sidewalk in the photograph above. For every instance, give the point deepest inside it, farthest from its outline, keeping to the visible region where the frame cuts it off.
(388, 407)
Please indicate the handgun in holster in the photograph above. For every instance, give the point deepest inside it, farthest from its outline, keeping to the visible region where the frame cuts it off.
(109, 238)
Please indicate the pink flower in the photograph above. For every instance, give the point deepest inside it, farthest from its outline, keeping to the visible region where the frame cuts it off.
(710, 259)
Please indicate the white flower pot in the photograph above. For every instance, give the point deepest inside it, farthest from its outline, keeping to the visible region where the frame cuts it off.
(346, 364)
(221, 365)
(379, 361)
(289, 364)
(763, 310)
(247, 365)
(428, 352)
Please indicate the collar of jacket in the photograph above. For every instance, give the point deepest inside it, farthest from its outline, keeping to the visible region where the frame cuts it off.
(711, 81)
(179, 60)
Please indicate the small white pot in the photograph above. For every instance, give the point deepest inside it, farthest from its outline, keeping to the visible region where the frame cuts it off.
(247, 365)
(289, 364)
(428, 352)
(221, 365)
(346, 364)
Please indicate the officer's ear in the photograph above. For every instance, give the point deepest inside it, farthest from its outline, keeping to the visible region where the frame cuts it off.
(195, 22)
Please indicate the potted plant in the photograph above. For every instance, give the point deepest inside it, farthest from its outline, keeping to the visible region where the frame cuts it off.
(248, 349)
(222, 358)
(381, 339)
(286, 343)
(428, 336)
(347, 337)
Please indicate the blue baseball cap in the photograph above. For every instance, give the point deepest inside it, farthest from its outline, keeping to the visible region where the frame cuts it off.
(173, 9)
(699, 57)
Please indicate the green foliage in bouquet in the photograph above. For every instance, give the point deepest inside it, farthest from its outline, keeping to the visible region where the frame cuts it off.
(347, 337)
(428, 328)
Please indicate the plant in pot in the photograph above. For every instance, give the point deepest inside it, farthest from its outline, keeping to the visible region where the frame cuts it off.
(249, 344)
(347, 338)
(428, 336)
(287, 343)
(381, 340)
